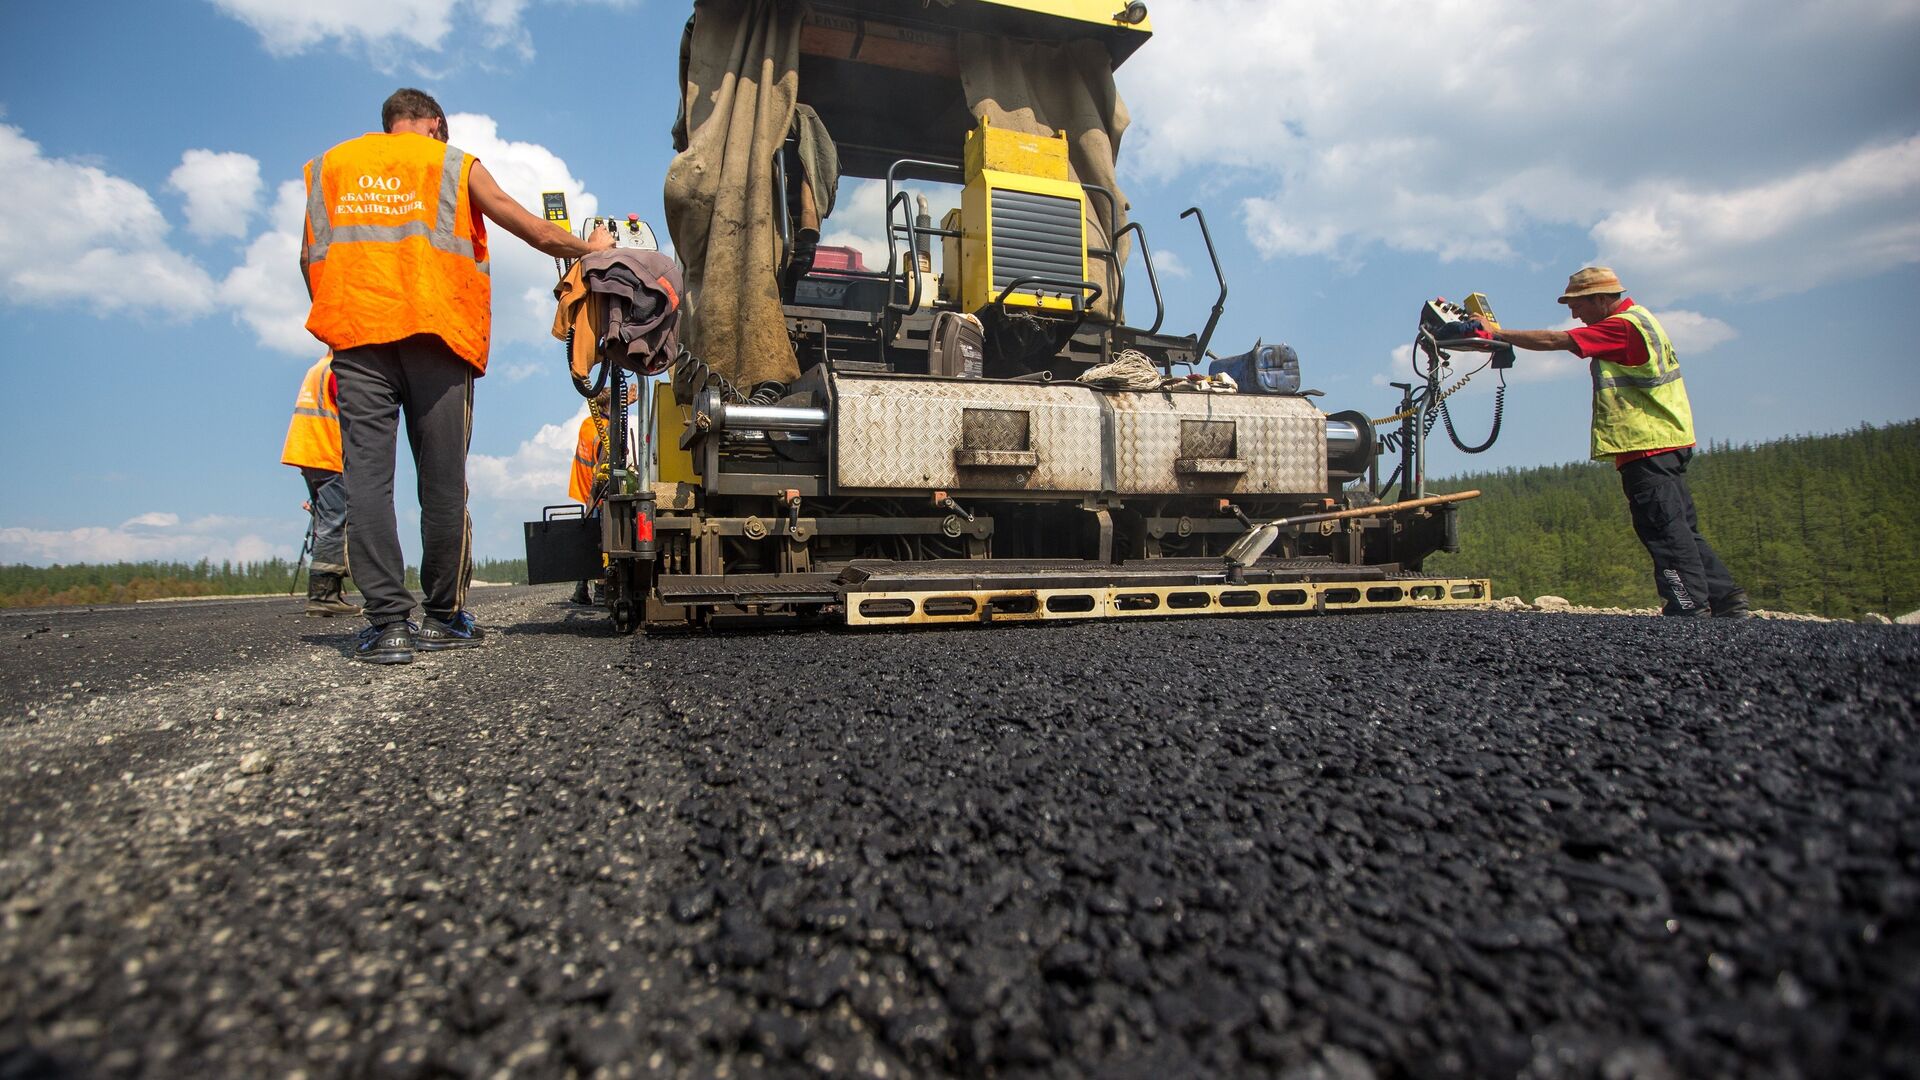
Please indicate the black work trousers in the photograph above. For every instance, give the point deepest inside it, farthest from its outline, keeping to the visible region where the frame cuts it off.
(424, 380)
(1691, 578)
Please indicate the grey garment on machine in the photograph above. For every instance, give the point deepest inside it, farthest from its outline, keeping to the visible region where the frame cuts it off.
(819, 159)
(327, 493)
(643, 292)
(424, 380)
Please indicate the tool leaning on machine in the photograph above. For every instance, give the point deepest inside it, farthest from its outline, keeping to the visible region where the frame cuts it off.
(974, 431)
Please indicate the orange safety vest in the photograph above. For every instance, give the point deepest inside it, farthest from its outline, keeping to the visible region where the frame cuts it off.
(313, 438)
(395, 247)
(586, 454)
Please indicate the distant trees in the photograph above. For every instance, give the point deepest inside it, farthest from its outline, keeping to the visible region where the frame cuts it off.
(124, 583)
(1822, 525)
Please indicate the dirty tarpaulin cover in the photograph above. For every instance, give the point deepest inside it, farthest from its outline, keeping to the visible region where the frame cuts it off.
(631, 298)
(741, 81)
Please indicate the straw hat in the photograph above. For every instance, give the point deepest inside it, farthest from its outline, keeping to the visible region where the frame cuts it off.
(1591, 281)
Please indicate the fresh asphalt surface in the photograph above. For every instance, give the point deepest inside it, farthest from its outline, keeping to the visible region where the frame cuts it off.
(1444, 844)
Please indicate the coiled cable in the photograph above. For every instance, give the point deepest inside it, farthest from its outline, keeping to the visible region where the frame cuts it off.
(692, 374)
(1499, 407)
(1436, 409)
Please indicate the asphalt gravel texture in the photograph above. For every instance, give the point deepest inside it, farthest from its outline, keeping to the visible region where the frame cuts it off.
(1446, 844)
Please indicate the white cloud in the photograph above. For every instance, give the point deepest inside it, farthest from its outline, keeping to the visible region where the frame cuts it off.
(154, 535)
(536, 472)
(1539, 367)
(1852, 218)
(222, 191)
(1346, 130)
(523, 279)
(266, 289)
(1170, 265)
(859, 221)
(389, 32)
(521, 371)
(1693, 333)
(1399, 367)
(106, 230)
(286, 28)
(859, 218)
(152, 519)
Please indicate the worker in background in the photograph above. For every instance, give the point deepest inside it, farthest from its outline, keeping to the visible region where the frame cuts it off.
(395, 256)
(1643, 423)
(313, 447)
(589, 450)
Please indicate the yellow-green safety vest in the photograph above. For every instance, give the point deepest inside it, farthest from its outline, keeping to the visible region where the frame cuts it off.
(1644, 407)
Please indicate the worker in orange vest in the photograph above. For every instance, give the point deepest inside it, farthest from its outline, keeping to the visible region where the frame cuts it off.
(395, 256)
(313, 447)
(589, 450)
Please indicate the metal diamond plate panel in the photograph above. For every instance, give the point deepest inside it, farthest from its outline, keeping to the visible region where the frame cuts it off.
(1283, 440)
(893, 433)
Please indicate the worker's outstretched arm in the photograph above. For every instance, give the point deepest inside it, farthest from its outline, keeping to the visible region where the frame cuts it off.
(1535, 340)
(544, 236)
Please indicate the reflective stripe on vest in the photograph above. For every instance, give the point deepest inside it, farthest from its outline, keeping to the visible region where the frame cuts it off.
(440, 234)
(313, 435)
(1641, 407)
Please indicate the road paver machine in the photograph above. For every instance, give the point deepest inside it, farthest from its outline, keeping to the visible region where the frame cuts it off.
(989, 425)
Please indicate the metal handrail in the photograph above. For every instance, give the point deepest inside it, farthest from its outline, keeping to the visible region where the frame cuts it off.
(1219, 305)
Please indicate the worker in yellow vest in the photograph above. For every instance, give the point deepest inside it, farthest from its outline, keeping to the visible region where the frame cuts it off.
(313, 447)
(1643, 423)
(589, 450)
(395, 256)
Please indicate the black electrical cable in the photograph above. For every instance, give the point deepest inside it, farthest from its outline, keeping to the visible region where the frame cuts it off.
(1390, 441)
(690, 372)
(584, 388)
(1499, 406)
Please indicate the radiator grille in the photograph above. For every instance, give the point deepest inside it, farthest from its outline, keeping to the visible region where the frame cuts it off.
(1035, 235)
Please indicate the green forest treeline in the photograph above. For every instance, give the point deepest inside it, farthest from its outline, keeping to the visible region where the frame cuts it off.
(1821, 525)
(125, 583)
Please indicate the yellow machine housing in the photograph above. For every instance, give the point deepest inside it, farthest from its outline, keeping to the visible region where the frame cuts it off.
(1020, 216)
(669, 421)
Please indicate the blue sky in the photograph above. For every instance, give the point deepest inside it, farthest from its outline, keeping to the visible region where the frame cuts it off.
(1752, 170)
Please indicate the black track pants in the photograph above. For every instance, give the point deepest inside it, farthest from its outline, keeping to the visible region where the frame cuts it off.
(426, 382)
(1690, 577)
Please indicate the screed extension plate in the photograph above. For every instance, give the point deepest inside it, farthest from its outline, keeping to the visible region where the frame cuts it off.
(1121, 601)
(973, 591)
(921, 594)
